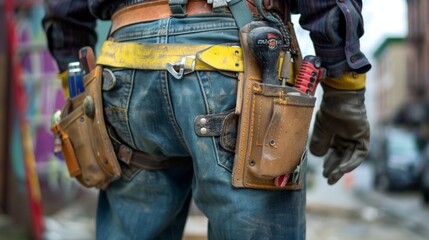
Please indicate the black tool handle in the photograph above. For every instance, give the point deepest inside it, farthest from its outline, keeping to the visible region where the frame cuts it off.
(266, 44)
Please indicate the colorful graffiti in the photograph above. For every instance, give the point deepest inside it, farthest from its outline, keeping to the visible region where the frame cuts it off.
(44, 95)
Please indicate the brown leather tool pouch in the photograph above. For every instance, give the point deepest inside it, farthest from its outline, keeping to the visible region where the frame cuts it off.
(86, 145)
(272, 132)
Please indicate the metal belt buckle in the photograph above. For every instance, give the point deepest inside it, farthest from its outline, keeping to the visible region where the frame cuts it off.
(219, 3)
(179, 69)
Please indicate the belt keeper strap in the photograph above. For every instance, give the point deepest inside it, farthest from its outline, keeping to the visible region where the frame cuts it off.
(125, 154)
(267, 16)
(240, 12)
(178, 8)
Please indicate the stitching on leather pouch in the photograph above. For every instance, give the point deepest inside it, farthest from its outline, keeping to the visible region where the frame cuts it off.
(259, 120)
(240, 164)
(252, 128)
(276, 133)
(281, 128)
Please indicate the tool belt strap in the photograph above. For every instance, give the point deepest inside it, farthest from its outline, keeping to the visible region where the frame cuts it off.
(178, 59)
(140, 159)
(154, 10)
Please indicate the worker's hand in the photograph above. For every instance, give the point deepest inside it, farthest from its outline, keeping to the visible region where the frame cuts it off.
(341, 132)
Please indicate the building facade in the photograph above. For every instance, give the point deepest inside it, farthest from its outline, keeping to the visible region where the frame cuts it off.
(391, 74)
(418, 46)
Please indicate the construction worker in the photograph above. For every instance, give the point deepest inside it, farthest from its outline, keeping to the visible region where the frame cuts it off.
(154, 111)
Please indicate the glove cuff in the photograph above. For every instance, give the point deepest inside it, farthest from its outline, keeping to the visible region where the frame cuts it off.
(332, 95)
(348, 81)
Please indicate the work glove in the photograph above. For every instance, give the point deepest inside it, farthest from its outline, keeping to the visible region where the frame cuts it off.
(341, 132)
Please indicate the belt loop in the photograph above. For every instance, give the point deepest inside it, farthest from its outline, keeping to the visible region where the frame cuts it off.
(178, 8)
(240, 11)
(125, 154)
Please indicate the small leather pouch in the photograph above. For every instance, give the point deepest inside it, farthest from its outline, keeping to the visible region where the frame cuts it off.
(272, 136)
(85, 143)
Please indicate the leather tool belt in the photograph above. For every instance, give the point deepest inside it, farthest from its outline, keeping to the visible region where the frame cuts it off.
(85, 143)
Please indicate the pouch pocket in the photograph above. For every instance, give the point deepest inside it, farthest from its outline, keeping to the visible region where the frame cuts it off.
(87, 148)
(280, 119)
(273, 131)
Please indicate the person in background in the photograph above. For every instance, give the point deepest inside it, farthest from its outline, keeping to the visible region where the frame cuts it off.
(153, 112)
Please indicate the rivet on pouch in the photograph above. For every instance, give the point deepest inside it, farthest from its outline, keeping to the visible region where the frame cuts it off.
(252, 163)
(272, 142)
(109, 79)
(203, 121)
(88, 106)
(203, 131)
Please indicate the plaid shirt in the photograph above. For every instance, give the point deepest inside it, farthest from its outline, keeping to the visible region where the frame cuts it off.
(335, 28)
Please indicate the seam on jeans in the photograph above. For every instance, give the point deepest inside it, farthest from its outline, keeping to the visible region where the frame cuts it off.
(173, 33)
(207, 106)
(167, 24)
(212, 93)
(133, 75)
(203, 92)
(170, 110)
(133, 35)
(173, 121)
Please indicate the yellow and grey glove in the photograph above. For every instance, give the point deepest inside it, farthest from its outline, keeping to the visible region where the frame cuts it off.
(341, 129)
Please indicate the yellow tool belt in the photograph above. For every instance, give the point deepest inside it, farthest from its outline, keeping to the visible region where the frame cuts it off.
(186, 57)
(178, 59)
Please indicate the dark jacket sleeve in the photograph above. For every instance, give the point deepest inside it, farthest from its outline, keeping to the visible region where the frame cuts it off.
(69, 26)
(335, 28)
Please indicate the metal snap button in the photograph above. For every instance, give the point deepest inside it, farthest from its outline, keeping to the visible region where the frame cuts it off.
(109, 79)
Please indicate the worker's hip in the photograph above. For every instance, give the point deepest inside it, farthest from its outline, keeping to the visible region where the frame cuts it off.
(154, 112)
(170, 109)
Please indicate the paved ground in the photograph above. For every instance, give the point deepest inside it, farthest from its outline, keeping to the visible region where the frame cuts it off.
(348, 210)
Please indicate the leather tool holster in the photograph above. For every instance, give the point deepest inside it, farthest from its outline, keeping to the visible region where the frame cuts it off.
(86, 146)
(272, 131)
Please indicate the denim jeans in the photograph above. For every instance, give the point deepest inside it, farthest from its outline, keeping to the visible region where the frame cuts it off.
(154, 112)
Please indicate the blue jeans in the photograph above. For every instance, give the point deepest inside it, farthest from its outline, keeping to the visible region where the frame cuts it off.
(154, 112)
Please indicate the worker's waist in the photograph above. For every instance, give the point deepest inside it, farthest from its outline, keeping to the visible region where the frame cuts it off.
(158, 9)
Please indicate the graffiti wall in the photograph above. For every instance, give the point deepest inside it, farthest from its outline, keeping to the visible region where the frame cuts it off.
(43, 95)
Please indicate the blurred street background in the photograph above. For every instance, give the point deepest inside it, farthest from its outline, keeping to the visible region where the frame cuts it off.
(387, 197)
